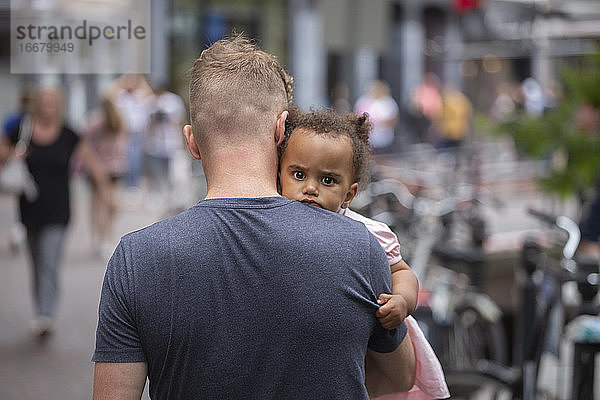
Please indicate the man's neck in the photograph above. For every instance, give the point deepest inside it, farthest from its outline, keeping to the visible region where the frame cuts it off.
(241, 192)
(240, 174)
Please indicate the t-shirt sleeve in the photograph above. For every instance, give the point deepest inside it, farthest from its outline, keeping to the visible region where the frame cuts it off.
(117, 338)
(382, 340)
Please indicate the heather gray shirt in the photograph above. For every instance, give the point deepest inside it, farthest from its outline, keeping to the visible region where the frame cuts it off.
(247, 298)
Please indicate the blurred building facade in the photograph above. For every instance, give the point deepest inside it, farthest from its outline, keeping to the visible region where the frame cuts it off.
(326, 44)
(473, 44)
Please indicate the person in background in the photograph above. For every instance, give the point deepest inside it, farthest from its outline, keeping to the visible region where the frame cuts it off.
(504, 105)
(46, 218)
(533, 97)
(132, 95)
(427, 106)
(587, 120)
(454, 123)
(590, 227)
(383, 113)
(246, 294)
(162, 142)
(11, 123)
(107, 136)
(13, 120)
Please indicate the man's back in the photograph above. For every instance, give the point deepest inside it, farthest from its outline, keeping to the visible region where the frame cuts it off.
(247, 298)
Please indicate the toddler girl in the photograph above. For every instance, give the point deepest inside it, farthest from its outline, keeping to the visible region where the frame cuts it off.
(324, 158)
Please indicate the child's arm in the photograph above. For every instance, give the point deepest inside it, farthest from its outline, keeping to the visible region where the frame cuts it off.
(403, 300)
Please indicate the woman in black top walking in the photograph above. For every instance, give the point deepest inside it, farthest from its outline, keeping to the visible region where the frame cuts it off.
(46, 217)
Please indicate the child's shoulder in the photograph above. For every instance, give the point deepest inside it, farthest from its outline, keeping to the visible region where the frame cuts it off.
(371, 224)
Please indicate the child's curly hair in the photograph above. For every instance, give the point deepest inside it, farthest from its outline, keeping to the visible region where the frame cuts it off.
(326, 121)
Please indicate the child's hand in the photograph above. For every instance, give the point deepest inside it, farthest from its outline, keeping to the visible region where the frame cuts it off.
(393, 310)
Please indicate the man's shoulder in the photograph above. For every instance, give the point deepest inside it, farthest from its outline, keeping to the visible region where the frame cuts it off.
(328, 220)
(152, 234)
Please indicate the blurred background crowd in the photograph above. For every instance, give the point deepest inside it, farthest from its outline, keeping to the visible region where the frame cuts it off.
(501, 95)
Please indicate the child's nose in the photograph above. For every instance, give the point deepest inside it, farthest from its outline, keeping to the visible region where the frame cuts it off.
(310, 188)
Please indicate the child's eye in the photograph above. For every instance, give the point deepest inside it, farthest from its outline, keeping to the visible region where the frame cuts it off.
(299, 175)
(328, 180)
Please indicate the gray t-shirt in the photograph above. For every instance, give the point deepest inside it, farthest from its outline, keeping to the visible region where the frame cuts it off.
(261, 298)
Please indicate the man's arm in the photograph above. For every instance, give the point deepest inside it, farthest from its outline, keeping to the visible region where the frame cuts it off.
(391, 372)
(119, 381)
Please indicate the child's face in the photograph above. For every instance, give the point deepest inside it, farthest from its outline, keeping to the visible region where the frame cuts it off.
(317, 170)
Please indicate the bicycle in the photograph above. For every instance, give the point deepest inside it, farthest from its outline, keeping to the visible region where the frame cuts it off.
(461, 322)
(467, 323)
(541, 289)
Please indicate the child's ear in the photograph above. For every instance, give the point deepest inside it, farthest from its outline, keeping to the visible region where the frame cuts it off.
(352, 190)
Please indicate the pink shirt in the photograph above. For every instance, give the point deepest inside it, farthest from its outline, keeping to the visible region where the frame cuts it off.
(384, 235)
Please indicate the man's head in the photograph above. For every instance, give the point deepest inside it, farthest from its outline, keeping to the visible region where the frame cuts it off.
(236, 94)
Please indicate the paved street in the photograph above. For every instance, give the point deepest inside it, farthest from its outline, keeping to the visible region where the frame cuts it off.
(59, 367)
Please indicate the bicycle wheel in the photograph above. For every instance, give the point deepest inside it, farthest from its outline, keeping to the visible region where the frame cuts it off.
(476, 386)
(471, 337)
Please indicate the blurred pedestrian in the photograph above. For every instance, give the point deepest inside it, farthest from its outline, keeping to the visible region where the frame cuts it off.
(427, 106)
(533, 97)
(46, 218)
(132, 95)
(383, 112)
(587, 121)
(504, 105)
(162, 141)
(106, 134)
(590, 227)
(11, 122)
(454, 123)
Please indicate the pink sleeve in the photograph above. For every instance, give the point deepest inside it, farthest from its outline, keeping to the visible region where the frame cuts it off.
(389, 242)
(430, 382)
(384, 235)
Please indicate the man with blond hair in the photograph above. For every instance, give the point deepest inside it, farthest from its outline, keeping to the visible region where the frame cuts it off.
(246, 294)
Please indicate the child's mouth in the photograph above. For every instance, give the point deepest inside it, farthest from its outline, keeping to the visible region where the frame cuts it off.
(312, 203)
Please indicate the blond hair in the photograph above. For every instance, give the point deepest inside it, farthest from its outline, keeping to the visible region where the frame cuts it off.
(236, 89)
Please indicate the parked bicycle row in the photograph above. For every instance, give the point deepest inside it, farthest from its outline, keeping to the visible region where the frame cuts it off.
(546, 347)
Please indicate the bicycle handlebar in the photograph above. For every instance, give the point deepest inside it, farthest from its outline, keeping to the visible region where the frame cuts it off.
(566, 224)
(574, 235)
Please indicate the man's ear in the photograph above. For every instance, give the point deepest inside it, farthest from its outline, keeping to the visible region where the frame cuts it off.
(191, 142)
(350, 195)
(280, 127)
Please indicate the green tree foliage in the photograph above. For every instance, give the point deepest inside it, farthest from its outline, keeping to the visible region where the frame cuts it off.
(568, 136)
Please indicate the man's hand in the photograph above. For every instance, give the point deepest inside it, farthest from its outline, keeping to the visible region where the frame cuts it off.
(393, 310)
